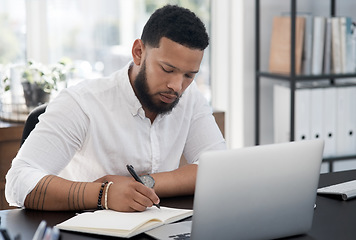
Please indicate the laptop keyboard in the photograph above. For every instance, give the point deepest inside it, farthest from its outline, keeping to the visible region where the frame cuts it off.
(183, 236)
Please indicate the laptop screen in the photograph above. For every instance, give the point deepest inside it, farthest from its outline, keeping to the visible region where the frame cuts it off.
(260, 192)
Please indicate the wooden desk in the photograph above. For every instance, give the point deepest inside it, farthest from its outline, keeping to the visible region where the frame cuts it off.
(220, 120)
(10, 139)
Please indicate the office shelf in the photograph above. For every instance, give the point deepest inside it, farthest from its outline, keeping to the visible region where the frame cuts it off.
(291, 78)
(305, 78)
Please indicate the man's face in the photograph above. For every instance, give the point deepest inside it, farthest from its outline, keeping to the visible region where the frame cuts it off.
(164, 75)
(148, 100)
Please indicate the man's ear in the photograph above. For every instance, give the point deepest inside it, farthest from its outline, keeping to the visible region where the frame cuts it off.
(138, 49)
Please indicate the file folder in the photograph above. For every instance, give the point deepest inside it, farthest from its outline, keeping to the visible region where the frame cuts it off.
(281, 114)
(352, 96)
(316, 113)
(302, 114)
(318, 45)
(345, 128)
(329, 117)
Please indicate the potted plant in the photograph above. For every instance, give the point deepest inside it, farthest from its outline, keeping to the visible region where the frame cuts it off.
(39, 80)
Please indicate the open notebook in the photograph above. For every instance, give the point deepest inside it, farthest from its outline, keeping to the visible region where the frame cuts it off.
(123, 224)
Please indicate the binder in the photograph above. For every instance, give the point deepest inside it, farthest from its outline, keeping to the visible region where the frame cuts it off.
(327, 48)
(308, 45)
(336, 45)
(316, 113)
(318, 45)
(345, 127)
(279, 59)
(343, 50)
(350, 54)
(352, 119)
(302, 114)
(308, 40)
(346, 45)
(281, 114)
(329, 117)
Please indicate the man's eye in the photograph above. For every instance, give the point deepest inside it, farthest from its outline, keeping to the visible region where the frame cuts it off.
(189, 76)
(167, 71)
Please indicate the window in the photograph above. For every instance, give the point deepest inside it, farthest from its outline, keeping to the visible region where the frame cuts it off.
(12, 47)
(98, 35)
(13, 31)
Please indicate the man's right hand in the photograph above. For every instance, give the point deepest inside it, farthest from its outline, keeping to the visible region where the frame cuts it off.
(127, 195)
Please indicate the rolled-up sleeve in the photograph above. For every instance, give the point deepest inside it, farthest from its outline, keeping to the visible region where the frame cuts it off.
(47, 150)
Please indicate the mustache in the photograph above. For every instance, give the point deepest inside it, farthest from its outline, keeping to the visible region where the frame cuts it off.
(170, 93)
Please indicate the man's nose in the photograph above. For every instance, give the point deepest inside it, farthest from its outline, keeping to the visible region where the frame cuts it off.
(176, 83)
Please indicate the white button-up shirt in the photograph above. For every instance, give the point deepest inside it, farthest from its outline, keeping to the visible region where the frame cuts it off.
(98, 126)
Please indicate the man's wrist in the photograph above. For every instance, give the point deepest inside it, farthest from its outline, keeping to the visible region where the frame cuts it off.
(148, 180)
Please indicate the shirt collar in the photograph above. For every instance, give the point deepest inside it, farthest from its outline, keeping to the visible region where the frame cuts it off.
(134, 104)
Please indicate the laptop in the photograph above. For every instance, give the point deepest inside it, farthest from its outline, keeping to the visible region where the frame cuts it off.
(260, 192)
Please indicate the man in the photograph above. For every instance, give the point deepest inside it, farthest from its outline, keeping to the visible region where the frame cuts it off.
(138, 116)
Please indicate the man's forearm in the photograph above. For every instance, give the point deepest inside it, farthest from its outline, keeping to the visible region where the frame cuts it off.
(178, 182)
(55, 193)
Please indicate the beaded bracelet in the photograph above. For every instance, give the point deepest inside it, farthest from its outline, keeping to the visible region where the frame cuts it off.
(106, 195)
(100, 206)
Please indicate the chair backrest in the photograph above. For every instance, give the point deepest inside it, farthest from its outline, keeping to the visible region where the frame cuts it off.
(32, 120)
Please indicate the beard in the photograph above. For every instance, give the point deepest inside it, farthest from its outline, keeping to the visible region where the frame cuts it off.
(147, 99)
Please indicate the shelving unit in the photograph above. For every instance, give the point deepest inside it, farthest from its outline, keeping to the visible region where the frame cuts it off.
(292, 78)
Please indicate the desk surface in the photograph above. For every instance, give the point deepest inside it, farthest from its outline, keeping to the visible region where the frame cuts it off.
(333, 218)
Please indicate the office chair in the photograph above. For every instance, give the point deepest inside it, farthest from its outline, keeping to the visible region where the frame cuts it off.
(32, 120)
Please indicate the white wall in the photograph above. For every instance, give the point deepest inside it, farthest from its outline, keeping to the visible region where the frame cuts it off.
(36, 32)
(232, 69)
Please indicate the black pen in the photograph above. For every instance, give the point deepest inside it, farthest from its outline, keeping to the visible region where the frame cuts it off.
(131, 170)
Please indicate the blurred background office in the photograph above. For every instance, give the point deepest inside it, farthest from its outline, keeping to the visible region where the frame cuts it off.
(96, 36)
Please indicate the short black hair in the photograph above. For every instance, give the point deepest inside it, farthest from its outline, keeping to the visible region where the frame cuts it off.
(177, 24)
